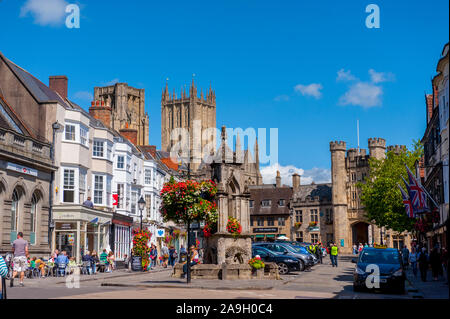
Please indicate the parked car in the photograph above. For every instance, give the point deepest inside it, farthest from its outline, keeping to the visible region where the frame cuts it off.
(286, 263)
(305, 248)
(306, 260)
(389, 262)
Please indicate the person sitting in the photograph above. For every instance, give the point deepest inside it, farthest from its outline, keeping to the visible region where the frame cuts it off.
(94, 261)
(62, 262)
(194, 258)
(87, 262)
(40, 264)
(104, 260)
(72, 265)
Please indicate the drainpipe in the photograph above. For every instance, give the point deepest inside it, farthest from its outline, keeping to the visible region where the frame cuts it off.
(56, 127)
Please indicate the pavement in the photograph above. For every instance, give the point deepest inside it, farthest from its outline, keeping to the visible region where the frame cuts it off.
(321, 282)
(429, 289)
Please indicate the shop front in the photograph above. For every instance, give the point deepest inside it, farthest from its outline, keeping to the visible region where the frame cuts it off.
(121, 230)
(78, 229)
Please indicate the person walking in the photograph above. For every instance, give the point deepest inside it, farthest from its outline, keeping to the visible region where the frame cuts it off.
(111, 261)
(153, 256)
(165, 255)
(172, 255)
(319, 252)
(360, 248)
(405, 256)
(423, 264)
(435, 262)
(444, 261)
(334, 255)
(3, 274)
(355, 249)
(413, 261)
(20, 252)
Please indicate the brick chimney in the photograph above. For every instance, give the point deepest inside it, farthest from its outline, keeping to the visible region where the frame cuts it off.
(101, 112)
(130, 134)
(295, 181)
(58, 83)
(149, 149)
(278, 179)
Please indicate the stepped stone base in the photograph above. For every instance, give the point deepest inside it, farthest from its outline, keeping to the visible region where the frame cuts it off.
(228, 272)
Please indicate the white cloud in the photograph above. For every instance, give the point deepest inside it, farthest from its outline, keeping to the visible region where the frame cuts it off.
(312, 89)
(84, 95)
(281, 98)
(378, 77)
(45, 12)
(363, 94)
(318, 175)
(343, 75)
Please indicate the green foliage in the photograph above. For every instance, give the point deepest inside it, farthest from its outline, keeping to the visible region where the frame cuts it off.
(380, 195)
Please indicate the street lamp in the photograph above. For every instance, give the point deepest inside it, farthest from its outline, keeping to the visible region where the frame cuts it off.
(57, 128)
(141, 204)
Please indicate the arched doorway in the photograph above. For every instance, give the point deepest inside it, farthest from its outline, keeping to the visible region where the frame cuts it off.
(360, 233)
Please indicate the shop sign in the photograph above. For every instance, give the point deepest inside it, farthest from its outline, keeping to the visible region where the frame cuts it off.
(266, 230)
(22, 169)
(160, 232)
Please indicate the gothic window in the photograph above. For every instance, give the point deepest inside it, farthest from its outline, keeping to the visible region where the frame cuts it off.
(15, 211)
(314, 215)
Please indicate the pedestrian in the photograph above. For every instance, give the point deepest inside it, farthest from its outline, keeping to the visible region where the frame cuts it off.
(334, 255)
(444, 261)
(61, 261)
(193, 258)
(172, 255)
(153, 256)
(413, 261)
(94, 261)
(360, 248)
(165, 255)
(365, 245)
(435, 262)
(355, 249)
(405, 256)
(20, 252)
(3, 274)
(423, 264)
(319, 252)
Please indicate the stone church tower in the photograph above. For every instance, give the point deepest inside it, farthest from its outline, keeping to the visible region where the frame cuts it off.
(126, 108)
(181, 112)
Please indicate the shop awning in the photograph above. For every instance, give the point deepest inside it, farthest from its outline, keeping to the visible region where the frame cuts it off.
(269, 236)
(259, 236)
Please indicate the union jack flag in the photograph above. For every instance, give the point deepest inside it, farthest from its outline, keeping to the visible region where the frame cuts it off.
(417, 195)
(408, 207)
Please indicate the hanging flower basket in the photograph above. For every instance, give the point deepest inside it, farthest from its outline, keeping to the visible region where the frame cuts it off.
(312, 224)
(209, 229)
(189, 201)
(298, 224)
(234, 227)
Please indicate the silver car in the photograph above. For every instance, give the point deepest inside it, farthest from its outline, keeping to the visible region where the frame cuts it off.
(281, 248)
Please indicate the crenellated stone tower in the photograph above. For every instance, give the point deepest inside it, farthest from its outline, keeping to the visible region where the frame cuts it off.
(349, 167)
(126, 105)
(185, 112)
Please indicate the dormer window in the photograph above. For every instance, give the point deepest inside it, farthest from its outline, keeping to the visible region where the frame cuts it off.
(266, 203)
(282, 203)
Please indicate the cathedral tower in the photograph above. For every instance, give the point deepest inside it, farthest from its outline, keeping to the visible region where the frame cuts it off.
(184, 112)
(127, 107)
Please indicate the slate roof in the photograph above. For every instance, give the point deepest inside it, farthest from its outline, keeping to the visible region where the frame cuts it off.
(323, 191)
(41, 92)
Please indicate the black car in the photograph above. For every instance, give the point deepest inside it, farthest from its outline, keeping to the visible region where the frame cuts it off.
(389, 264)
(305, 258)
(285, 263)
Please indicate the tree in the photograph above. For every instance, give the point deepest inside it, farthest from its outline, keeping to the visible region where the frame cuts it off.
(380, 195)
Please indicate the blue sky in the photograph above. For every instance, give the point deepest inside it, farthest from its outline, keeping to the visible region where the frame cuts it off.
(308, 68)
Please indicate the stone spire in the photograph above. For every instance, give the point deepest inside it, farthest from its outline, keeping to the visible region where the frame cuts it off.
(278, 179)
(239, 154)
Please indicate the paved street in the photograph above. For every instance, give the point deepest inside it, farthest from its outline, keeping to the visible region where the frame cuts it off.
(322, 281)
